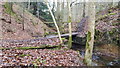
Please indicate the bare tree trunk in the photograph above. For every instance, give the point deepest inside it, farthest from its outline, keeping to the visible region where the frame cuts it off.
(84, 9)
(53, 7)
(38, 13)
(28, 4)
(1, 11)
(62, 17)
(58, 31)
(90, 35)
(58, 16)
(70, 27)
(23, 27)
(66, 12)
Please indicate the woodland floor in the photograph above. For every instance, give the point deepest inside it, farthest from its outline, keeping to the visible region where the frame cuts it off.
(42, 57)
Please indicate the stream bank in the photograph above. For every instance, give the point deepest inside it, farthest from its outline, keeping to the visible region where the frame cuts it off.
(103, 55)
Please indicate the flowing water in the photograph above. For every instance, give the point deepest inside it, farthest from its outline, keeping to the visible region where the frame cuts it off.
(99, 59)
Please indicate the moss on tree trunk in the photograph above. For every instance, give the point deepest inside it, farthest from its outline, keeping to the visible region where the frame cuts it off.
(70, 27)
(90, 35)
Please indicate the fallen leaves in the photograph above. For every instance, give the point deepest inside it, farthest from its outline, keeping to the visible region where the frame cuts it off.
(30, 43)
(40, 57)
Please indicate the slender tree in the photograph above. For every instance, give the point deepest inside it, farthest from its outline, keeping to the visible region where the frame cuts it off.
(58, 31)
(84, 9)
(1, 11)
(62, 9)
(22, 12)
(23, 20)
(70, 27)
(34, 8)
(28, 4)
(90, 35)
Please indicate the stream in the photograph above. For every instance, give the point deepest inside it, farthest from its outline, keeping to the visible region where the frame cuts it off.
(99, 59)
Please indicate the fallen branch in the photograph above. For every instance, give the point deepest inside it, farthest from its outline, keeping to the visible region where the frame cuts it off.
(25, 48)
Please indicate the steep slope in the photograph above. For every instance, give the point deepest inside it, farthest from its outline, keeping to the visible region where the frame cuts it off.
(107, 29)
(108, 26)
(13, 20)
